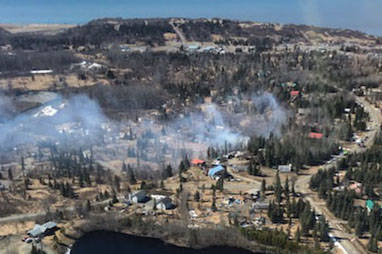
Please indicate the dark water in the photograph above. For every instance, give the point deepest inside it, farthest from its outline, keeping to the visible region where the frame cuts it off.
(364, 15)
(102, 242)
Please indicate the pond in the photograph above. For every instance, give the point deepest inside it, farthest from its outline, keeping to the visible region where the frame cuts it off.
(101, 242)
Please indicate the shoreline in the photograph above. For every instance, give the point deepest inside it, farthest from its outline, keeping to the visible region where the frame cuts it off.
(174, 233)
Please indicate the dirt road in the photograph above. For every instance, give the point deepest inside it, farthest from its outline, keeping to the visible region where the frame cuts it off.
(345, 242)
(34, 216)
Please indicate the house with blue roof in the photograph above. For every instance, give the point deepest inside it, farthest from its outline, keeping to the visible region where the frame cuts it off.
(216, 171)
(369, 205)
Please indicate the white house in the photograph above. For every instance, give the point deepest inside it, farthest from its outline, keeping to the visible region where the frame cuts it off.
(285, 168)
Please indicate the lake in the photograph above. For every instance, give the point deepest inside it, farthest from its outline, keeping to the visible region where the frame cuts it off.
(101, 242)
(363, 15)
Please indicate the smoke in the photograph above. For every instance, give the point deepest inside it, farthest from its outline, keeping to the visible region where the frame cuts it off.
(59, 120)
(270, 115)
(225, 127)
(208, 126)
(79, 121)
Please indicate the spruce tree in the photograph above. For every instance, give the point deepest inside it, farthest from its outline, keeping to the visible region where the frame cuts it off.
(278, 188)
(263, 186)
(131, 175)
(298, 235)
(197, 196)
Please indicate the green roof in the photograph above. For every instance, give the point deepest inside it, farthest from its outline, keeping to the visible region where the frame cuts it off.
(369, 204)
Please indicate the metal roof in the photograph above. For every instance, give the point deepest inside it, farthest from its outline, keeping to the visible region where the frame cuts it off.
(50, 225)
(41, 229)
(215, 170)
(37, 230)
(370, 204)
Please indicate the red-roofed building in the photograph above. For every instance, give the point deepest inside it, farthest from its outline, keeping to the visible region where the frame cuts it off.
(316, 135)
(197, 162)
(294, 93)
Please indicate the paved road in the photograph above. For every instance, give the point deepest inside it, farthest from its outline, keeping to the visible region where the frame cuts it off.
(178, 32)
(347, 243)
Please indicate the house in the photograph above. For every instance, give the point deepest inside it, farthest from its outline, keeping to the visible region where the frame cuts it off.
(369, 205)
(374, 94)
(138, 197)
(198, 162)
(294, 93)
(41, 72)
(37, 231)
(254, 192)
(41, 230)
(95, 66)
(316, 135)
(209, 49)
(232, 201)
(261, 205)
(216, 172)
(50, 225)
(165, 204)
(124, 48)
(193, 48)
(239, 168)
(6, 47)
(285, 168)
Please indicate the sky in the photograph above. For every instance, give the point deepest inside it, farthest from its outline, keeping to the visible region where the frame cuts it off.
(363, 15)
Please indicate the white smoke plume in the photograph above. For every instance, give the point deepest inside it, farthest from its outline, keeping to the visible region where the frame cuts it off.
(79, 121)
(54, 121)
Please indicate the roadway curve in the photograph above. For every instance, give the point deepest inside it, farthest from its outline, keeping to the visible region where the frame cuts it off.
(347, 243)
(178, 32)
